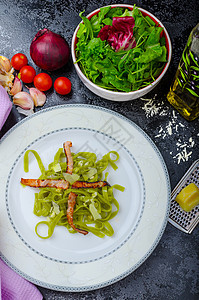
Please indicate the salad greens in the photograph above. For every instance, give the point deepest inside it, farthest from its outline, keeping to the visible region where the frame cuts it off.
(120, 49)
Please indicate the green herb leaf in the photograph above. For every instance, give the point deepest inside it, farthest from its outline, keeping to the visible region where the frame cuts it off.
(152, 52)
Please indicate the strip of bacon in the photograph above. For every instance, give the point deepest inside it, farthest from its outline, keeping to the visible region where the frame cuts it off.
(86, 184)
(69, 168)
(39, 183)
(71, 204)
(62, 184)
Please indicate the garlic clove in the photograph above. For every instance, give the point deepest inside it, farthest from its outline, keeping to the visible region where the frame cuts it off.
(24, 100)
(39, 97)
(17, 86)
(5, 64)
(25, 112)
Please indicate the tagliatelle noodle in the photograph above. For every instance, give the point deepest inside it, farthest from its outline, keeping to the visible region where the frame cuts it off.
(94, 206)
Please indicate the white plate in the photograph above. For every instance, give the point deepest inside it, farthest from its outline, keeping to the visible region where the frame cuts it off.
(75, 262)
(63, 246)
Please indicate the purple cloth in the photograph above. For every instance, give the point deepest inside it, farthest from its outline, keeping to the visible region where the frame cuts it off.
(5, 106)
(14, 287)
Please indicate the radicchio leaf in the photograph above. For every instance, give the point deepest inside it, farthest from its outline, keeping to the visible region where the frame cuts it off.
(120, 34)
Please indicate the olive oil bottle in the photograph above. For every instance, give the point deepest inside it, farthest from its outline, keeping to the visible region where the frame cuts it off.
(184, 91)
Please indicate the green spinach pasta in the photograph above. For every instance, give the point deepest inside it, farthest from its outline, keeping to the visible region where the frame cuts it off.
(95, 204)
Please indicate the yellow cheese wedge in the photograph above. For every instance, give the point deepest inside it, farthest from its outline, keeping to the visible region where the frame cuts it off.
(188, 197)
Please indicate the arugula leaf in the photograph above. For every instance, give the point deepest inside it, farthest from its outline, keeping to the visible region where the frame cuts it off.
(152, 52)
(115, 12)
(96, 20)
(81, 31)
(106, 67)
(163, 57)
(119, 84)
(95, 46)
(149, 21)
(107, 21)
(154, 36)
(88, 26)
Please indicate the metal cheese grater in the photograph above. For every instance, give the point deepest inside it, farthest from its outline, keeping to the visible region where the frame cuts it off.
(185, 221)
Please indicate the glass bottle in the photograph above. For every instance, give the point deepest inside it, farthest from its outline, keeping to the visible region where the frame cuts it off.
(184, 91)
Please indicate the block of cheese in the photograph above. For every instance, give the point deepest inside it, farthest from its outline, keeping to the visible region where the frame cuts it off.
(188, 197)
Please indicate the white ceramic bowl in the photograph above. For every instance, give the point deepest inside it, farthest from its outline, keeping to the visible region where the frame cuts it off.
(121, 96)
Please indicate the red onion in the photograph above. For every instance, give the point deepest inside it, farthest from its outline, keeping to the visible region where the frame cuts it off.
(49, 50)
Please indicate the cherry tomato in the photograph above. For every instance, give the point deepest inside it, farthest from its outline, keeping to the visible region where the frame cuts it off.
(62, 85)
(18, 61)
(28, 74)
(43, 82)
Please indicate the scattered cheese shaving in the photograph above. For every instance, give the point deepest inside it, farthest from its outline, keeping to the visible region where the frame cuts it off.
(183, 150)
(153, 107)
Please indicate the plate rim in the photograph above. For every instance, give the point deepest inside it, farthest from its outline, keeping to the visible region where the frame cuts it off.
(160, 233)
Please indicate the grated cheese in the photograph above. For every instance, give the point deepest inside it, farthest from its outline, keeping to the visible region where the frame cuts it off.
(183, 155)
(153, 107)
(183, 151)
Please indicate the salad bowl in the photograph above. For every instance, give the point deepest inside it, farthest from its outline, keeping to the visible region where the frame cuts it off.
(113, 93)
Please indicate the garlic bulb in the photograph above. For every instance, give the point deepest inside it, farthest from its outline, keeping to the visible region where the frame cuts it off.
(6, 73)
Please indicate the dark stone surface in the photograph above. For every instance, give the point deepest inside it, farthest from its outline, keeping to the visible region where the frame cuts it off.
(171, 272)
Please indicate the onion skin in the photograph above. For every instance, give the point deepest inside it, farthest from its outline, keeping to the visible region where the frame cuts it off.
(49, 50)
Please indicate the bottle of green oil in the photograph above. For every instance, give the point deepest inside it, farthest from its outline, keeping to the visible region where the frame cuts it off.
(184, 91)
